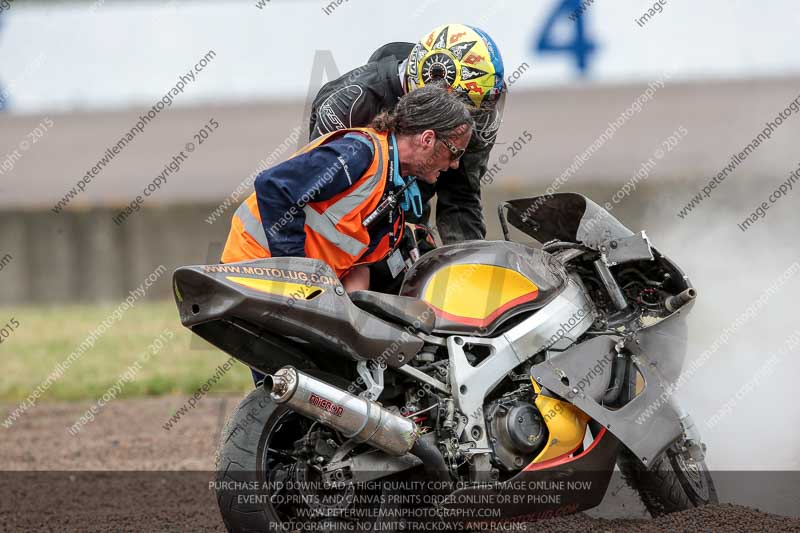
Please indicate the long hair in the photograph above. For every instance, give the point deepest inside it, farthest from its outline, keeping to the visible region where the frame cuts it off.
(431, 107)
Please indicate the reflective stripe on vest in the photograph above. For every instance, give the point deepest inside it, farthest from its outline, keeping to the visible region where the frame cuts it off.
(322, 225)
(252, 225)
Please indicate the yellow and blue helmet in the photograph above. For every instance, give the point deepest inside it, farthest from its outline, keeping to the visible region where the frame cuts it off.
(468, 60)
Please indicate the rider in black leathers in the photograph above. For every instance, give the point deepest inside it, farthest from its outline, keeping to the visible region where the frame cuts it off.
(356, 97)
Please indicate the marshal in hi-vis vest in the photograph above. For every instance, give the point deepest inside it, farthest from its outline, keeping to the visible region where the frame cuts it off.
(333, 228)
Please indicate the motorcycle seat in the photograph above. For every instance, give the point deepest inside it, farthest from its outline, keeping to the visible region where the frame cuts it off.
(403, 310)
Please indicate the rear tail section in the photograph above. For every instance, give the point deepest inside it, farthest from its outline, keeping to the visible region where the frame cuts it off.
(283, 311)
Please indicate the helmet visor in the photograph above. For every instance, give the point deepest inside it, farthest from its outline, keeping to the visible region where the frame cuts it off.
(488, 117)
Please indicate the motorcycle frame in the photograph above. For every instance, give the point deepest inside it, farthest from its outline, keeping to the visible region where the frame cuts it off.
(470, 385)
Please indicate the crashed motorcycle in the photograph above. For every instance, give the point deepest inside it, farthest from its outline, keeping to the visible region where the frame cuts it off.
(504, 382)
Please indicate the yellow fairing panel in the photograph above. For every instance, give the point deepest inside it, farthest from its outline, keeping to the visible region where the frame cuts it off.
(566, 423)
(281, 288)
(477, 294)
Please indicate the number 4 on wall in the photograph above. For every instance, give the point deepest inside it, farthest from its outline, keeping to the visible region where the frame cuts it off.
(567, 12)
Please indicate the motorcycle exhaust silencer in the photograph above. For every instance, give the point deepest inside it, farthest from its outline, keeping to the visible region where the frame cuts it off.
(354, 417)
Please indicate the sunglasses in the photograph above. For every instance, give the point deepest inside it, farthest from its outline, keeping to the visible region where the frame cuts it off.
(455, 153)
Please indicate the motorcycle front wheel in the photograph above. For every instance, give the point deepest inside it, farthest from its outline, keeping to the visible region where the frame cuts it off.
(671, 484)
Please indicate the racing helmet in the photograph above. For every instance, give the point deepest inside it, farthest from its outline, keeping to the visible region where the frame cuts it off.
(466, 59)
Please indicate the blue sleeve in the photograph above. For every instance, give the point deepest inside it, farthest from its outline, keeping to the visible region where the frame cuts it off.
(320, 174)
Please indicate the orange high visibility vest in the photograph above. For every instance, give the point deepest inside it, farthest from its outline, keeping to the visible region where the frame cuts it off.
(334, 230)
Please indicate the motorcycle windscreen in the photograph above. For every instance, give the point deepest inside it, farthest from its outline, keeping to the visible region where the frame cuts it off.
(570, 217)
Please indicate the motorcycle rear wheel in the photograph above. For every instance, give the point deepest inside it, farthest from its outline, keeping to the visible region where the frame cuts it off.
(252, 454)
(671, 484)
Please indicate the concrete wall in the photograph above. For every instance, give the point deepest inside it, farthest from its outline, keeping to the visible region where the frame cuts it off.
(82, 256)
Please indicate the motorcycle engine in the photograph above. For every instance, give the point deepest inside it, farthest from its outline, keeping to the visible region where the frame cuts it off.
(517, 430)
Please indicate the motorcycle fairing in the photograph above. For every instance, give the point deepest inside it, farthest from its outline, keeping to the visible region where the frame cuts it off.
(669, 336)
(647, 425)
(475, 286)
(566, 425)
(568, 216)
(298, 300)
(282, 288)
(527, 494)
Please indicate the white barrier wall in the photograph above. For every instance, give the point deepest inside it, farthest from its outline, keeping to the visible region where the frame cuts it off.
(101, 55)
